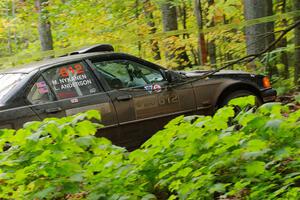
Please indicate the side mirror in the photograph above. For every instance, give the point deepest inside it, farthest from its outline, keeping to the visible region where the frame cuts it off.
(172, 76)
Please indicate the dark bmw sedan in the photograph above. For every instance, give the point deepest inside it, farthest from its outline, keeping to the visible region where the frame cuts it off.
(136, 98)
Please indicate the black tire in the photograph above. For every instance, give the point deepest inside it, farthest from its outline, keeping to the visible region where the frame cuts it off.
(241, 93)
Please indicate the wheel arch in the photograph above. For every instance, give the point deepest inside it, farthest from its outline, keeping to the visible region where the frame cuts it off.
(235, 87)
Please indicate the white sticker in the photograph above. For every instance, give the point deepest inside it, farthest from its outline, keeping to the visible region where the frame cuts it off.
(93, 90)
(74, 100)
(156, 88)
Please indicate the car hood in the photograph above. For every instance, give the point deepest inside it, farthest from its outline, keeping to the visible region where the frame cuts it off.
(220, 73)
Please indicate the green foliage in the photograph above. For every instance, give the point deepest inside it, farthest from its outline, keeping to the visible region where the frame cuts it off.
(201, 157)
(297, 98)
(243, 101)
(196, 157)
(283, 86)
(60, 158)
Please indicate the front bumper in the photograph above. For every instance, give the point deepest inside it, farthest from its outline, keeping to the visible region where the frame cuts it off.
(268, 95)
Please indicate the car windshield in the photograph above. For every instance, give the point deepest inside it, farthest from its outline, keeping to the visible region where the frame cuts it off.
(8, 82)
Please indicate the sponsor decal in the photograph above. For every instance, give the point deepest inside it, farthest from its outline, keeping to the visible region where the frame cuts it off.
(152, 88)
(168, 99)
(65, 72)
(148, 88)
(71, 82)
(156, 88)
(74, 100)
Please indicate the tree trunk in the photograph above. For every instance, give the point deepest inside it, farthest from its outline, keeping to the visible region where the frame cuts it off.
(44, 25)
(183, 10)
(227, 55)
(270, 25)
(14, 10)
(169, 16)
(297, 47)
(9, 45)
(254, 9)
(270, 36)
(174, 53)
(183, 18)
(211, 47)
(201, 39)
(259, 36)
(137, 13)
(150, 22)
(283, 42)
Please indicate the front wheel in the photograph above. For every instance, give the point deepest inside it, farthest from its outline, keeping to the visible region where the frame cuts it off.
(241, 93)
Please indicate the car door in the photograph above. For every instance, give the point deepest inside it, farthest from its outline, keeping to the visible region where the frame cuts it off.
(141, 96)
(71, 88)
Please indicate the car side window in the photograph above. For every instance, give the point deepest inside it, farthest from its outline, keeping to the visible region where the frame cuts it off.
(127, 74)
(71, 80)
(40, 93)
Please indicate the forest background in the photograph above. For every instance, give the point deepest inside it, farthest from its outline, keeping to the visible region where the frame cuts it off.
(192, 157)
(178, 34)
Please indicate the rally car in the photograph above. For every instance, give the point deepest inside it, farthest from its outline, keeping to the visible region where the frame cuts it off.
(136, 98)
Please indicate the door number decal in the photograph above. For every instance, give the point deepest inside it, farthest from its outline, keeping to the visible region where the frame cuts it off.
(169, 99)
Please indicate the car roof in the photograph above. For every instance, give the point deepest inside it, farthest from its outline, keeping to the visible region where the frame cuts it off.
(25, 69)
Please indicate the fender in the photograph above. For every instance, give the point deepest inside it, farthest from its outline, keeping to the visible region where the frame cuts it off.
(210, 92)
(232, 86)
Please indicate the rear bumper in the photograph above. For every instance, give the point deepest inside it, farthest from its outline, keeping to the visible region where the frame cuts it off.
(268, 95)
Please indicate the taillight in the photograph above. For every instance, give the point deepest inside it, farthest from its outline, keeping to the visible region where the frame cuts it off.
(266, 82)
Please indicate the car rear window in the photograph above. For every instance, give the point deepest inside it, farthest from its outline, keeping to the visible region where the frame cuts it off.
(71, 80)
(8, 82)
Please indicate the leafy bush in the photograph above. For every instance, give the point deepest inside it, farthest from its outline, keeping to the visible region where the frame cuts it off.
(60, 158)
(196, 157)
(202, 157)
(283, 86)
